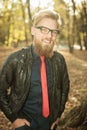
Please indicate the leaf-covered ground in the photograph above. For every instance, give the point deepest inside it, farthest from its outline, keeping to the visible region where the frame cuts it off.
(77, 67)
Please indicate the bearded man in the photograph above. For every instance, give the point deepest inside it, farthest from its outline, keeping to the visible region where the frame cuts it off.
(37, 78)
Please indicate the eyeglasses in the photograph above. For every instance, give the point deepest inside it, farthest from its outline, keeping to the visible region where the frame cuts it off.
(46, 30)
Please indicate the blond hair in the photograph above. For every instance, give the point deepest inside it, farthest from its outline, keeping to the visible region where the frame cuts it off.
(45, 14)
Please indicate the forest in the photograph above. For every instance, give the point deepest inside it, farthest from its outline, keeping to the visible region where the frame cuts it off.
(15, 33)
(16, 21)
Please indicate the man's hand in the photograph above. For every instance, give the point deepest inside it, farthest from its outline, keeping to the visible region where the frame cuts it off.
(20, 122)
(55, 124)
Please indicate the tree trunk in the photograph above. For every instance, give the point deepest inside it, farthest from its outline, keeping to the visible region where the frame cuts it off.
(76, 118)
(30, 18)
(25, 29)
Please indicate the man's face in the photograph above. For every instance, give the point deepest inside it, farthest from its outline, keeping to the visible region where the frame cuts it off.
(44, 38)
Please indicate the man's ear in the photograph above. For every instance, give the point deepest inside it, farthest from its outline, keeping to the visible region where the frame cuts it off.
(33, 30)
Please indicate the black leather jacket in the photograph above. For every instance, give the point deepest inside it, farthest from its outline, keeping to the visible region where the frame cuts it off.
(15, 81)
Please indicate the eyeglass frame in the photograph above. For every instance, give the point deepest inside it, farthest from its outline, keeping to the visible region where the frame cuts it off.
(53, 32)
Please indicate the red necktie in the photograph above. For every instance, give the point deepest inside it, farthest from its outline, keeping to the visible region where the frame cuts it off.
(45, 102)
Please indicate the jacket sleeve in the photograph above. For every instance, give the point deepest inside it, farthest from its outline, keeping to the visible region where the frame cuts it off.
(65, 85)
(6, 76)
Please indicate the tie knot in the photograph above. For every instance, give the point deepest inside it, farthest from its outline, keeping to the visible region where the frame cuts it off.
(42, 58)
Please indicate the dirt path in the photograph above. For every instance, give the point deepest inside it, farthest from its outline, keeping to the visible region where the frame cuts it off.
(77, 67)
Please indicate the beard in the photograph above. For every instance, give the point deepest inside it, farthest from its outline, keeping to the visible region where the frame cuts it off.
(43, 49)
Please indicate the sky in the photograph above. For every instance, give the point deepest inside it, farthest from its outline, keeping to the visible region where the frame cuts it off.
(48, 3)
(77, 1)
(43, 3)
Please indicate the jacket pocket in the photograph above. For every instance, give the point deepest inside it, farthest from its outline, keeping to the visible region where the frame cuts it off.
(21, 128)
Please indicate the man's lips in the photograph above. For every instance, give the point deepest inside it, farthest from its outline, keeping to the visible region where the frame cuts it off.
(47, 42)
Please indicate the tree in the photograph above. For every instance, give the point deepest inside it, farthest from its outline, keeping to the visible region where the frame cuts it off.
(30, 17)
(83, 27)
(75, 118)
(74, 23)
(5, 16)
(15, 22)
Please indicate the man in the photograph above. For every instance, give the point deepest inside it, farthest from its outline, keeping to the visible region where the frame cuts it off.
(23, 76)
